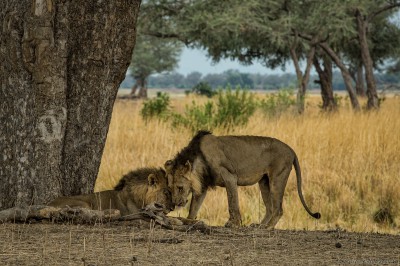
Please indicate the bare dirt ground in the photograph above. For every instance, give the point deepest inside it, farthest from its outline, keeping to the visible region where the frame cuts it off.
(139, 243)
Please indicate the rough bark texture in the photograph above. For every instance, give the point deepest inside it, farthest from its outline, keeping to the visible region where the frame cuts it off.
(61, 65)
(373, 100)
(325, 80)
(345, 73)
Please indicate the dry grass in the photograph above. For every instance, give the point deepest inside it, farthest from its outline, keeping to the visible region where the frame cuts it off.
(350, 163)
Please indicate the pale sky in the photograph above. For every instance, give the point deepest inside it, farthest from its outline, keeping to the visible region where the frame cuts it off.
(197, 60)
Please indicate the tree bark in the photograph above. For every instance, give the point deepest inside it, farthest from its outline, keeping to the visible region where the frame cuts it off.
(325, 80)
(134, 89)
(373, 100)
(360, 88)
(345, 73)
(302, 79)
(62, 63)
(143, 88)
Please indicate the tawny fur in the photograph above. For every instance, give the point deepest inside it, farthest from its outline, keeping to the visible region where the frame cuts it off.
(134, 191)
(231, 161)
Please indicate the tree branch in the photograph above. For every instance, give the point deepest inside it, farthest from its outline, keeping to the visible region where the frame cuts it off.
(168, 36)
(381, 10)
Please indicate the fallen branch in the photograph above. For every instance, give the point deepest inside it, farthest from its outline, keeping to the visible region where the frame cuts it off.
(87, 216)
(41, 212)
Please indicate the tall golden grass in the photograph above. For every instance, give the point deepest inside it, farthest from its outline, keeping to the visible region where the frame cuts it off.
(350, 163)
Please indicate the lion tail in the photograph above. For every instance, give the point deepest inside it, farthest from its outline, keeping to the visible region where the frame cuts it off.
(296, 165)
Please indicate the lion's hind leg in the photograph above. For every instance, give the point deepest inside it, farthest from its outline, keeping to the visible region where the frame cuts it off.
(266, 196)
(277, 184)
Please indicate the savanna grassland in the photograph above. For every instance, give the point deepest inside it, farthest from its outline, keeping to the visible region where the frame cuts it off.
(350, 166)
(349, 161)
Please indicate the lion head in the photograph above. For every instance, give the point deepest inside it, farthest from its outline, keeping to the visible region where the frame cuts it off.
(159, 192)
(145, 186)
(181, 182)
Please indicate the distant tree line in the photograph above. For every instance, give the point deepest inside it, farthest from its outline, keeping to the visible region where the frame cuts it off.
(248, 80)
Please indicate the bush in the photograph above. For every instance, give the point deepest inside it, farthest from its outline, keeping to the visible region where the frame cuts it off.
(277, 103)
(196, 117)
(232, 108)
(156, 108)
(203, 88)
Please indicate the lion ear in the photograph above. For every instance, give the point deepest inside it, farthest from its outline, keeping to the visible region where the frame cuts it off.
(188, 166)
(152, 180)
(168, 165)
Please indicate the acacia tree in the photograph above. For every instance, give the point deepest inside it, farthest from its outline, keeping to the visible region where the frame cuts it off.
(266, 31)
(62, 63)
(152, 55)
(364, 15)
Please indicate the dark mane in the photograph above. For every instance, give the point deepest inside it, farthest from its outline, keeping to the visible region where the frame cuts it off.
(190, 153)
(138, 176)
(192, 150)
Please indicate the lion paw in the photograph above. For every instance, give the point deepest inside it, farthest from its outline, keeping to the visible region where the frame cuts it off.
(175, 221)
(233, 224)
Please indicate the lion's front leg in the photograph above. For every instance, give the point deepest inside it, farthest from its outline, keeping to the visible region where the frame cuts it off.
(195, 204)
(230, 181)
(131, 207)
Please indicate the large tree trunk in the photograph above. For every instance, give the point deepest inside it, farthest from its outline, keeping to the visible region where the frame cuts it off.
(345, 73)
(373, 100)
(62, 63)
(325, 80)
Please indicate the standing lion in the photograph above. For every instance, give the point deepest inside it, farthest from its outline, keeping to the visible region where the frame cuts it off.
(231, 161)
(134, 191)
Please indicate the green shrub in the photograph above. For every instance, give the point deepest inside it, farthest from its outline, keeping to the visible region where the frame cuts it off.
(234, 108)
(277, 103)
(156, 108)
(203, 88)
(231, 108)
(196, 117)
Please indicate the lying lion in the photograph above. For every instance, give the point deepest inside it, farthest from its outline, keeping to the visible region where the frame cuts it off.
(134, 191)
(232, 161)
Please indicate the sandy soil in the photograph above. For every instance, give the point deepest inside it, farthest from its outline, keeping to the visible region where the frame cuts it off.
(141, 244)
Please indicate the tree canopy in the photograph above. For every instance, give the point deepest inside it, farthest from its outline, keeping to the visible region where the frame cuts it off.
(275, 31)
(153, 55)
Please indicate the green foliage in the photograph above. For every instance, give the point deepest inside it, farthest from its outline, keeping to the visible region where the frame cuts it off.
(277, 103)
(196, 117)
(156, 108)
(154, 55)
(203, 88)
(231, 108)
(273, 31)
(234, 107)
